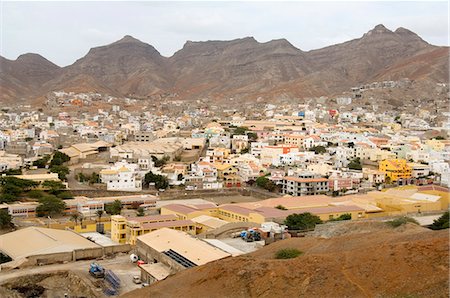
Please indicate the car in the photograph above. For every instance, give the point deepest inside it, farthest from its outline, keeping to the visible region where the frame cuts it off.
(144, 284)
(137, 279)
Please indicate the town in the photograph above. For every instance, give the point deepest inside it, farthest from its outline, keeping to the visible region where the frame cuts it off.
(177, 185)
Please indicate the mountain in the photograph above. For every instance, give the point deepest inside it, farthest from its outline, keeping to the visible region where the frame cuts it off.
(21, 77)
(242, 68)
(128, 66)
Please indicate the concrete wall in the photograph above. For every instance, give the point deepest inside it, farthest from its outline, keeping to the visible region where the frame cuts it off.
(149, 255)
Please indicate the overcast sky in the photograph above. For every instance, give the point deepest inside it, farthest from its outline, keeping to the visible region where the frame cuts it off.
(64, 31)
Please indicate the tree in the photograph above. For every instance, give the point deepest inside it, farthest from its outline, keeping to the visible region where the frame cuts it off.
(180, 177)
(441, 222)
(345, 216)
(59, 158)
(99, 214)
(114, 208)
(140, 211)
(355, 164)
(50, 205)
(5, 219)
(281, 207)
(53, 187)
(62, 171)
(318, 149)
(41, 163)
(240, 130)
(75, 216)
(159, 162)
(160, 181)
(303, 221)
(252, 136)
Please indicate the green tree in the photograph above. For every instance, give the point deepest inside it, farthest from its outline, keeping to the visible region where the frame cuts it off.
(41, 163)
(140, 211)
(160, 181)
(5, 219)
(160, 162)
(50, 205)
(62, 171)
(53, 187)
(114, 208)
(441, 222)
(59, 158)
(345, 216)
(240, 130)
(303, 221)
(75, 216)
(355, 164)
(318, 149)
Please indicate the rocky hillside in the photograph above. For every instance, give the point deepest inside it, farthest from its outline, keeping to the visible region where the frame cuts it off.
(367, 259)
(238, 68)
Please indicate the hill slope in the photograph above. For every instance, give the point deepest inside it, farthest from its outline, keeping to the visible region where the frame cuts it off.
(238, 68)
(370, 259)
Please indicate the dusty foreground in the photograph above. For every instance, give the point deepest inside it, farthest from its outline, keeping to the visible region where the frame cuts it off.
(362, 260)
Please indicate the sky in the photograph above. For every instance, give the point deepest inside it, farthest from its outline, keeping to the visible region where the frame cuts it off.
(64, 31)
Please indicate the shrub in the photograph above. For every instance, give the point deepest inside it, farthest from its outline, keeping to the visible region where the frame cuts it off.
(303, 221)
(287, 253)
(441, 222)
(401, 221)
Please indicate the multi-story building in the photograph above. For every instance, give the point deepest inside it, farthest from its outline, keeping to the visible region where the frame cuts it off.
(304, 184)
(395, 169)
(122, 177)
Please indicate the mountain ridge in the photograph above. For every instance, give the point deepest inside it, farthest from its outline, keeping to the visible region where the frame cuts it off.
(217, 68)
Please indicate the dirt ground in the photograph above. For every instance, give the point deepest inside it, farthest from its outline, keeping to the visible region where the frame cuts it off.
(53, 281)
(361, 260)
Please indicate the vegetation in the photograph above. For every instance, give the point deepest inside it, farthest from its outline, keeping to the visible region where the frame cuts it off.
(53, 187)
(50, 206)
(42, 162)
(287, 253)
(114, 208)
(303, 221)
(265, 183)
(318, 149)
(59, 158)
(140, 211)
(355, 164)
(10, 172)
(161, 182)
(99, 214)
(441, 222)
(5, 219)
(345, 216)
(281, 207)
(401, 221)
(12, 188)
(91, 179)
(439, 138)
(62, 171)
(160, 162)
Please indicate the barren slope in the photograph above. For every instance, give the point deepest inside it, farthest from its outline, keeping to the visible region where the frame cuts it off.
(369, 260)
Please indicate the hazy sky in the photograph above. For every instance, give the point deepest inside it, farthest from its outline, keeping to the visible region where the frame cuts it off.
(65, 31)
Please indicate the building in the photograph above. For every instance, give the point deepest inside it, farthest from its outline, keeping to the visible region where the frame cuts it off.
(175, 251)
(34, 241)
(122, 177)
(395, 169)
(126, 230)
(304, 184)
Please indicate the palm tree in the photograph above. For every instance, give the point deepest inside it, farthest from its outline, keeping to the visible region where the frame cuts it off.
(99, 214)
(75, 216)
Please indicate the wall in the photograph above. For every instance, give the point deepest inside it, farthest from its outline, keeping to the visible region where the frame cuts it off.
(148, 255)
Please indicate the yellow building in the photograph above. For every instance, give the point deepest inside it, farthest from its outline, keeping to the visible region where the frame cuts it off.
(126, 230)
(183, 212)
(395, 169)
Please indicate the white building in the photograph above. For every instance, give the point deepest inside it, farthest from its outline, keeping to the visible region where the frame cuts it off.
(122, 177)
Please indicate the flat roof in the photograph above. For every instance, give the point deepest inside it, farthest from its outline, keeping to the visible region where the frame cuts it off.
(225, 247)
(305, 180)
(168, 224)
(37, 241)
(158, 270)
(193, 249)
(209, 221)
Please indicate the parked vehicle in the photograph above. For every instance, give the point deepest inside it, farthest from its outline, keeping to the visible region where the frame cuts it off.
(137, 279)
(97, 271)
